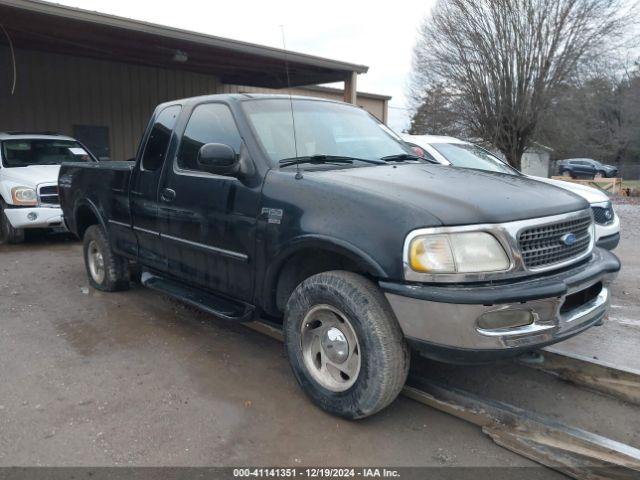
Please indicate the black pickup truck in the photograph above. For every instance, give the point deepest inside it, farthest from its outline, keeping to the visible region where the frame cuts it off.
(314, 215)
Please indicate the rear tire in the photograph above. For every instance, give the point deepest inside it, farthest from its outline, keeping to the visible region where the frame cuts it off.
(106, 270)
(9, 234)
(344, 344)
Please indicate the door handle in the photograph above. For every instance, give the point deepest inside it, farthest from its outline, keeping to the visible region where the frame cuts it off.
(168, 195)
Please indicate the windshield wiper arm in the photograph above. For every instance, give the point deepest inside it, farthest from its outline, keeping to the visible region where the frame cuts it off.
(400, 157)
(321, 159)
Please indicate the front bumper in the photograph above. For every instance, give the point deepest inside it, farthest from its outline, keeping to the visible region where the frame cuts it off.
(610, 242)
(36, 217)
(608, 236)
(442, 320)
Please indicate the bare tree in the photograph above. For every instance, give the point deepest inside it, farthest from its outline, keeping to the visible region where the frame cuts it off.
(597, 118)
(505, 59)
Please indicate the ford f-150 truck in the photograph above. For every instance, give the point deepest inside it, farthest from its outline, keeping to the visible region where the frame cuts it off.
(313, 214)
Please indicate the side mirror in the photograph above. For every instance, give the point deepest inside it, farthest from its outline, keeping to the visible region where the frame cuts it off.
(218, 158)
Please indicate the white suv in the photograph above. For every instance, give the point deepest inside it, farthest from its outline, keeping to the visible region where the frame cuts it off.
(29, 166)
(458, 153)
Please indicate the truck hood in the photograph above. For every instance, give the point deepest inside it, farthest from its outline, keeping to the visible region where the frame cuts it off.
(457, 196)
(590, 194)
(32, 175)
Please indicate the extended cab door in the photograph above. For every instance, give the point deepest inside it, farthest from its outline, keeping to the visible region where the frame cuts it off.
(144, 188)
(209, 221)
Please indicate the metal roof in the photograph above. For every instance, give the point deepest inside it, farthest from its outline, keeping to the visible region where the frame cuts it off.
(38, 25)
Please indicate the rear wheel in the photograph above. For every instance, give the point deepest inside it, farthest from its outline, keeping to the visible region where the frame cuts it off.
(344, 344)
(106, 270)
(9, 234)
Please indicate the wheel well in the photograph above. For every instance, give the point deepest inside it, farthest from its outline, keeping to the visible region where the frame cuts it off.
(85, 217)
(306, 263)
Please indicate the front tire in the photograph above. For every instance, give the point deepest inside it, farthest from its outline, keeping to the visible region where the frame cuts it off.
(9, 234)
(566, 174)
(106, 270)
(344, 344)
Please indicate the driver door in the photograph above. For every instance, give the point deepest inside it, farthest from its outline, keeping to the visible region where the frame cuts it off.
(208, 220)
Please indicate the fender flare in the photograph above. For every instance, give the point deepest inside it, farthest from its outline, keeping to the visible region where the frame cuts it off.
(87, 203)
(323, 242)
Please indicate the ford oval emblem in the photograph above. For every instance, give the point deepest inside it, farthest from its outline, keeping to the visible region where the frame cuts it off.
(568, 239)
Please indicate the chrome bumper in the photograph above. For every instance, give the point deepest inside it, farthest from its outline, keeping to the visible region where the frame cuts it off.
(448, 318)
(456, 326)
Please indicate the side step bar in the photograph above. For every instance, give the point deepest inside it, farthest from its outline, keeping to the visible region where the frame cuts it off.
(216, 305)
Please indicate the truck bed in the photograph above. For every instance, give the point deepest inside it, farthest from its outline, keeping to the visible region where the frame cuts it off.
(101, 188)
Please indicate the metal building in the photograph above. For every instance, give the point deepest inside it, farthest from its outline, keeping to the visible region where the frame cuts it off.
(98, 77)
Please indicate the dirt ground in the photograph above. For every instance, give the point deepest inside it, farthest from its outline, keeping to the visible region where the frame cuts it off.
(133, 378)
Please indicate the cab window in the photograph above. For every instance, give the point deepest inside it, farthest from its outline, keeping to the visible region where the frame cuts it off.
(209, 123)
(158, 141)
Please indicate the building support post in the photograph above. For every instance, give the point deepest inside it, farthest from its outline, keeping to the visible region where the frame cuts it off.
(385, 112)
(350, 88)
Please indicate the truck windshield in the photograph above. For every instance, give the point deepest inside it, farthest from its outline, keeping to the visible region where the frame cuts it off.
(22, 153)
(466, 155)
(322, 129)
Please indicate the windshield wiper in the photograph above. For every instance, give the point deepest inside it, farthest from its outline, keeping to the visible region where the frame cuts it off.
(324, 159)
(400, 157)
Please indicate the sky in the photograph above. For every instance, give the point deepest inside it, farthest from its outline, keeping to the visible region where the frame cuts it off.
(379, 35)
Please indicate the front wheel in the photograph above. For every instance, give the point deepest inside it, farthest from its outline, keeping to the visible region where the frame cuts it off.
(9, 234)
(106, 270)
(600, 175)
(344, 344)
(566, 173)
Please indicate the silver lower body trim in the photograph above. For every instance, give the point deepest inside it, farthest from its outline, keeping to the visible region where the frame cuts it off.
(455, 325)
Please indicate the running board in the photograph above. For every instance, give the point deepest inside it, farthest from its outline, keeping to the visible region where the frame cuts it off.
(216, 305)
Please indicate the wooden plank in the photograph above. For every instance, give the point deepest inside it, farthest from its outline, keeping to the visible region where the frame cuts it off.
(607, 185)
(572, 451)
(605, 378)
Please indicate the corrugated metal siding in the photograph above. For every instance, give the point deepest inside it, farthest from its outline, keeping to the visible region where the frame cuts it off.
(55, 92)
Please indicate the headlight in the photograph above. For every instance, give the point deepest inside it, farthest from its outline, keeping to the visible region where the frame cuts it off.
(466, 252)
(24, 196)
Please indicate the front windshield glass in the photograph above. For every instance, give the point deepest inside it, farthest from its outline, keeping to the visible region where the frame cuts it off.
(22, 153)
(472, 156)
(322, 128)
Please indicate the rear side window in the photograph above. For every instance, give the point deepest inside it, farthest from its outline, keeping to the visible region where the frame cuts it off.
(158, 142)
(209, 123)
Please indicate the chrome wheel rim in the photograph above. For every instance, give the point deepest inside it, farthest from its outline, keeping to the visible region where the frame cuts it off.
(96, 262)
(330, 348)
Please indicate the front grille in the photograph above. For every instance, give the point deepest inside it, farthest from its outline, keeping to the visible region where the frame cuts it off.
(543, 246)
(48, 195)
(603, 215)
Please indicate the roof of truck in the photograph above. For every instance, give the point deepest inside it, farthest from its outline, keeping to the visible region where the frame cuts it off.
(239, 97)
